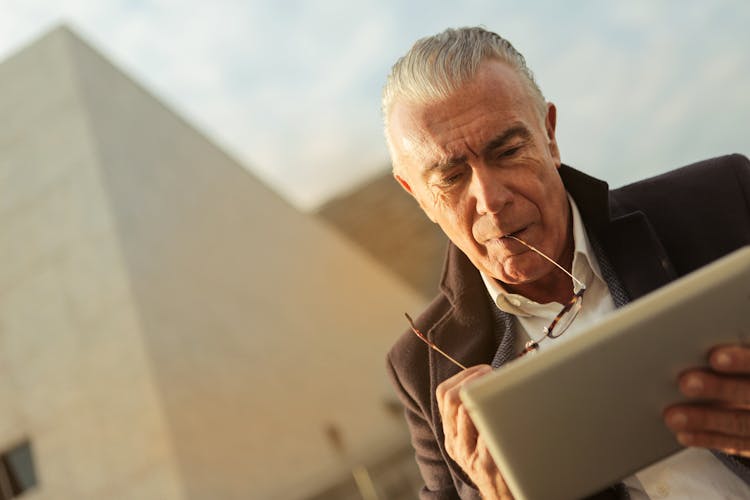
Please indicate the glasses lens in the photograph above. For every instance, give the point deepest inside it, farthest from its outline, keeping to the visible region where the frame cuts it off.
(566, 317)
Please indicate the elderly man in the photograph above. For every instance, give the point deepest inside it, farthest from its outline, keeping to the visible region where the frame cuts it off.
(472, 139)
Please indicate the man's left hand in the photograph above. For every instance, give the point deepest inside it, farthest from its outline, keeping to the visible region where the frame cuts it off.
(720, 419)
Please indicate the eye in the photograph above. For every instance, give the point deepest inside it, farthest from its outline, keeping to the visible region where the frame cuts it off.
(448, 178)
(451, 179)
(507, 153)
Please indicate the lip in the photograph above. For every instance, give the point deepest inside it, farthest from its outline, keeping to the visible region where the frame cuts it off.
(514, 233)
(504, 236)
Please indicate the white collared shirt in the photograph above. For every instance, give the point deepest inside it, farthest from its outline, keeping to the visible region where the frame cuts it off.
(692, 474)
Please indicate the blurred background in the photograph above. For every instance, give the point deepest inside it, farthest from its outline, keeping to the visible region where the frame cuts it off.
(204, 259)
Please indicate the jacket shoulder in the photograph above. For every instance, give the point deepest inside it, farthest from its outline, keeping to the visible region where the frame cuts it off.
(700, 211)
(713, 173)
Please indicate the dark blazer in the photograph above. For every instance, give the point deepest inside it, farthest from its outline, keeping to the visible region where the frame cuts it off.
(652, 232)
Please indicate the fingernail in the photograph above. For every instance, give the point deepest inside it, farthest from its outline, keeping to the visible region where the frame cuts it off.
(677, 419)
(722, 360)
(694, 385)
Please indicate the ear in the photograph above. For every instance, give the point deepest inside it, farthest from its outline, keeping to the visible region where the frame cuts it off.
(550, 122)
(403, 183)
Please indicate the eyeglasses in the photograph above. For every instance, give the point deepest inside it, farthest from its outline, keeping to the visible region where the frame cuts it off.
(556, 328)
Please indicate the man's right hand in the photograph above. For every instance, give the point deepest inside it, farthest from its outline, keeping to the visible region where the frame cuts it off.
(462, 441)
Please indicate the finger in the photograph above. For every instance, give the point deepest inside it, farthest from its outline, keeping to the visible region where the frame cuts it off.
(731, 359)
(709, 419)
(460, 435)
(488, 463)
(459, 377)
(451, 394)
(483, 453)
(466, 431)
(457, 438)
(732, 389)
(727, 444)
(456, 381)
(449, 397)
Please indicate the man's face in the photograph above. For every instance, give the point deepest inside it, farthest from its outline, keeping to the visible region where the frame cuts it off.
(483, 164)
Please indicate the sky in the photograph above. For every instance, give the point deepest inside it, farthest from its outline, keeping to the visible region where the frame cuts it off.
(292, 88)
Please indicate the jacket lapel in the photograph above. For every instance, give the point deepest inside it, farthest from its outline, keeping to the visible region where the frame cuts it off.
(466, 331)
(626, 236)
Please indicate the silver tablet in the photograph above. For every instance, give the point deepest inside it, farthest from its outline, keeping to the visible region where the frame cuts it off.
(568, 422)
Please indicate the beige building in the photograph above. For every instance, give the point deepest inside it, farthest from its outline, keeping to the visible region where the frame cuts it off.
(169, 327)
(388, 224)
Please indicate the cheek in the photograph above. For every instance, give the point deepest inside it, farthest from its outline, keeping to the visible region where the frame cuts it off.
(556, 224)
(548, 194)
(457, 224)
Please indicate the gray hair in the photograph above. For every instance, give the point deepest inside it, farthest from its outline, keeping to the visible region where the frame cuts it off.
(436, 66)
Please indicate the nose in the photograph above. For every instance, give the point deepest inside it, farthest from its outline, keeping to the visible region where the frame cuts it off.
(488, 190)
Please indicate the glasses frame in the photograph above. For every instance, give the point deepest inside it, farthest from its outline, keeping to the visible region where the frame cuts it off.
(532, 345)
(431, 344)
(577, 302)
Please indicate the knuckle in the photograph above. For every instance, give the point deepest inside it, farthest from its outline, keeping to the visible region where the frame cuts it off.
(445, 395)
(454, 396)
(439, 396)
(450, 449)
(442, 388)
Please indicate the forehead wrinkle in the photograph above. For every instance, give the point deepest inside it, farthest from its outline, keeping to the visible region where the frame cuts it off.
(470, 150)
(516, 129)
(447, 161)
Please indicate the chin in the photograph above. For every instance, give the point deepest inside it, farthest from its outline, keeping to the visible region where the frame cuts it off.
(517, 280)
(520, 275)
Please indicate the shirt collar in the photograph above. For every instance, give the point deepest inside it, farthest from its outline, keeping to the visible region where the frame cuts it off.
(585, 268)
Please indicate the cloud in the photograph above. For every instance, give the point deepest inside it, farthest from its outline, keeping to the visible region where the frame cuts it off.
(292, 88)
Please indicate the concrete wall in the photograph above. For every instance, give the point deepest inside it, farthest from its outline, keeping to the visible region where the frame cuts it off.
(172, 328)
(74, 372)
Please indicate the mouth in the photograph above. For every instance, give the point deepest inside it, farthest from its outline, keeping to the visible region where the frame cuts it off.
(506, 238)
(513, 234)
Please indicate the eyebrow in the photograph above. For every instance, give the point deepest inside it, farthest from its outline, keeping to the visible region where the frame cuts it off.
(499, 141)
(444, 164)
